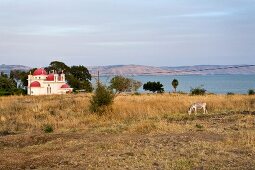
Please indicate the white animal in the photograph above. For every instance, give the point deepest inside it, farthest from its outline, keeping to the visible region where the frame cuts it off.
(198, 105)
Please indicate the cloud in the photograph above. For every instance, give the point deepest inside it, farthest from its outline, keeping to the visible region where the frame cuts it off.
(208, 14)
(183, 29)
(56, 30)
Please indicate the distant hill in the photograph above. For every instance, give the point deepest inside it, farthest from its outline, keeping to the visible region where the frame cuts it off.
(214, 69)
(151, 70)
(128, 70)
(7, 68)
(181, 70)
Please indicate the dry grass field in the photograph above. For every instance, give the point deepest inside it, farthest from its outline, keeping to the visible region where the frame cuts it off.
(149, 131)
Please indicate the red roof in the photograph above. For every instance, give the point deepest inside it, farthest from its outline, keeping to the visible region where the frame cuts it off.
(39, 71)
(64, 86)
(35, 84)
(50, 77)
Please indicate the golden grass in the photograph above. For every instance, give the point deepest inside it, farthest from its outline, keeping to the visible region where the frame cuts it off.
(140, 132)
(140, 113)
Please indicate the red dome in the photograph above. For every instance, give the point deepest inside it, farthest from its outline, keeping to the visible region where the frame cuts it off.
(39, 71)
(35, 84)
(64, 86)
(50, 77)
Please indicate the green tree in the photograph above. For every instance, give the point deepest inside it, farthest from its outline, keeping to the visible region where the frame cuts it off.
(20, 76)
(154, 87)
(120, 84)
(175, 83)
(80, 72)
(7, 85)
(79, 78)
(58, 67)
(3, 75)
(135, 84)
(79, 85)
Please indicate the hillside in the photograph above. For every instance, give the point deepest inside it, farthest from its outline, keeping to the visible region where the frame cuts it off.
(182, 70)
(7, 68)
(128, 70)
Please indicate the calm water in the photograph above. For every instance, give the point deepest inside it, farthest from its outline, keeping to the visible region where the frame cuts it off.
(220, 84)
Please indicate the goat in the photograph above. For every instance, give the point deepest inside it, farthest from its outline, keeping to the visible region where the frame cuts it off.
(196, 106)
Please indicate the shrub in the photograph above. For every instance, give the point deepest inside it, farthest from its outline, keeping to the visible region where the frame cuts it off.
(102, 99)
(230, 93)
(197, 91)
(48, 128)
(251, 92)
(199, 126)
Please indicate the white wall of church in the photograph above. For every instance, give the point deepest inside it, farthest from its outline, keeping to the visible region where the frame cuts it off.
(47, 87)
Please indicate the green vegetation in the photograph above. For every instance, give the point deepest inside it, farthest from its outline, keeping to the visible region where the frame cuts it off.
(122, 84)
(8, 86)
(199, 126)
(47, 128)
(251, 92)
(197, 91)
(101, 100)
(154, 87)
(175, 83)
(20, 76)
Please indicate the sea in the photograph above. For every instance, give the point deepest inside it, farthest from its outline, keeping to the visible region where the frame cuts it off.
(218, 84)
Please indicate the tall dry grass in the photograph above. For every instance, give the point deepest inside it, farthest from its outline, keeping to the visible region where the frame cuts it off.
(71, 112)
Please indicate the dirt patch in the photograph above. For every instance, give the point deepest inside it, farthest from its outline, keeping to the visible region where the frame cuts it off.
(107, 151)
(24, 140)
(204, 143)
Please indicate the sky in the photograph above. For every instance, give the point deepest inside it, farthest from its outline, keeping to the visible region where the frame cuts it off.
(113, 32)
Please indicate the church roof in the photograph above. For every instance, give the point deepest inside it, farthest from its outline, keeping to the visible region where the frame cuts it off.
(35, 84)
(39, 71)
(50, 77)
(64, 86)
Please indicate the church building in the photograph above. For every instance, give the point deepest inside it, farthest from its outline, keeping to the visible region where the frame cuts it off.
(42, 83)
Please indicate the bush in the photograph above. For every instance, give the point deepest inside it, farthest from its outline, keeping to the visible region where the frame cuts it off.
(199, 126)
(230, 93)
(101, 100)
(197, 91)
(47, 128)
(251, 92)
